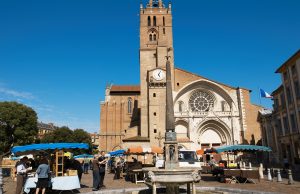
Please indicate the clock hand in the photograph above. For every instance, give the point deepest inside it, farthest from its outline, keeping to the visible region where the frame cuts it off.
(159, 74)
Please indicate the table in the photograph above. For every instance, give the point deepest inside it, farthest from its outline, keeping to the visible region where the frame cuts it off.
(233, 174)
(247, 174)
(63, 183)
(136, 172)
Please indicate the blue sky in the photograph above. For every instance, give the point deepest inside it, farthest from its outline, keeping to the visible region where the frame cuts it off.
(58, 56)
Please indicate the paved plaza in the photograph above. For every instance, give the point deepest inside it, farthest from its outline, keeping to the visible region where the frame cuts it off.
(207, 181)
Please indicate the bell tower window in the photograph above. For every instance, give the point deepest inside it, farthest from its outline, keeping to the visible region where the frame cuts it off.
(149, 21)
(164, 22)
(152, 35)
(154, 20)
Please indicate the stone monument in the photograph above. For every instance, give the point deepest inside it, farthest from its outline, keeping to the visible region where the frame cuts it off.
(171, 144)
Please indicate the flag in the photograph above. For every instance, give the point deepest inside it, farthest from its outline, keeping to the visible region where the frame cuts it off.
(264, 94)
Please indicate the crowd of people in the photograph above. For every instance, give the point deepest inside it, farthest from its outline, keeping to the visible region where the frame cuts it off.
(98, 165)
(26, 165)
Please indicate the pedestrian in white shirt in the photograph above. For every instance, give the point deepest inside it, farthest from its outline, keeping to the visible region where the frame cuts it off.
(21, 174)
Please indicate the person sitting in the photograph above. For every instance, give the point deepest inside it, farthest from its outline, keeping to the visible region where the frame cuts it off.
(43, 176)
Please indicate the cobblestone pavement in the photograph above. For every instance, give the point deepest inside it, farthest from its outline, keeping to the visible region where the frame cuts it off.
(207, 181)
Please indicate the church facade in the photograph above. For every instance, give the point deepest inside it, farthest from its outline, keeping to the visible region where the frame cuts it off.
(207, 113)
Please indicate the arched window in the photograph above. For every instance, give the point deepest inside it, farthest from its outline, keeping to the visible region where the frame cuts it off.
(154, 20)
(149, 21)
(150, 37)
(129, 106)
(154, 37)
(164, 22)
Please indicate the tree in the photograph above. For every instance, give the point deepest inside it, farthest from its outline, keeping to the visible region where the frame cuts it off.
(59, 135)
(18, 125)
(66, 135)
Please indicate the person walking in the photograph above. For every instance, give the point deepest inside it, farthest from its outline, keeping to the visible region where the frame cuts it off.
(43, 176)
(86, 165)
(21, 174)
(96, 174)
(102, 166)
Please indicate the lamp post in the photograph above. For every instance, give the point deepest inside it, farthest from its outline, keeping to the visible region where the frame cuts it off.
(10, 143)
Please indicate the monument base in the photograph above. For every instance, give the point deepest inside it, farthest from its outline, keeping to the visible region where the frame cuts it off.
(171, 151)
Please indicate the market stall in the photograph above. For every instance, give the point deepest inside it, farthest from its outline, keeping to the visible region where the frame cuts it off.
(62, 178)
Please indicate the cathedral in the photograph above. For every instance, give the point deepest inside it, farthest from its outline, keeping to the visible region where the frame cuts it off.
(207, 113)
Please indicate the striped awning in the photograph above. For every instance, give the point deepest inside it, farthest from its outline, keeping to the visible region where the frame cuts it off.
(144, 150)
(229, 148)
(35, 148)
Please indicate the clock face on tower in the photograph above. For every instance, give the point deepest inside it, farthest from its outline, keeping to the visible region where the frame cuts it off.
(158, 74)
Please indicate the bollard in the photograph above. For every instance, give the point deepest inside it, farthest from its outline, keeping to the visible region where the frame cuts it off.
(291, 181)
(279, 179)
(244, 165)
(269, 175)
(260, 171)
(250, 165)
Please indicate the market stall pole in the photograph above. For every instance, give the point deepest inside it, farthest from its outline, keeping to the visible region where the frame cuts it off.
(59, 163)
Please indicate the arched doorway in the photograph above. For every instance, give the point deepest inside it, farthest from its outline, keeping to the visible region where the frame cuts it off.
(213, 133)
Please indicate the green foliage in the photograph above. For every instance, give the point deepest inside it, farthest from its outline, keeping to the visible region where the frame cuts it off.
(18, 120)
(66, 135)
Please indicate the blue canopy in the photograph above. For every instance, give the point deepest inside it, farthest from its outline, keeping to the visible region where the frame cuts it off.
(29, 149)
(83, 156)
(228, 148)
(116, 153)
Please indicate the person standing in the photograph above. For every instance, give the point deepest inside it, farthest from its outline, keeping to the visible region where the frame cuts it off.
(21, 174)
(96, 174)
(43, 176)
(117, 166)
(86, 165)
(76, 165)
(102, 166)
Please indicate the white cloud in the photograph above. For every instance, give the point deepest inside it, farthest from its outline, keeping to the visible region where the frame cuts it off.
(16, 94)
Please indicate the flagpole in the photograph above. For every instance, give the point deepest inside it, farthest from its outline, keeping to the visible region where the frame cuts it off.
(259, 95)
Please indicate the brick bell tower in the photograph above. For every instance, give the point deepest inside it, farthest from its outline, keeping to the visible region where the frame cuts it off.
(156, 42)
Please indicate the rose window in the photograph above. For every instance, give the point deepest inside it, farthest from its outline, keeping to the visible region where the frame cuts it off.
(201, 101)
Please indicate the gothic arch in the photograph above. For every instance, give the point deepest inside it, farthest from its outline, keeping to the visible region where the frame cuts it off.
(117, 147)
(217, 126)
(152, 30)
(206, 85)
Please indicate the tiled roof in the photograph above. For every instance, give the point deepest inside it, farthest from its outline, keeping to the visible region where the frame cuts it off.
(137, 138)
(125, 88)
(45, 126)
(289, 61)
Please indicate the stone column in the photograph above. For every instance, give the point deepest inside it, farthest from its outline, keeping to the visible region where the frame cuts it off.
(194, 188)
(153, 188)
